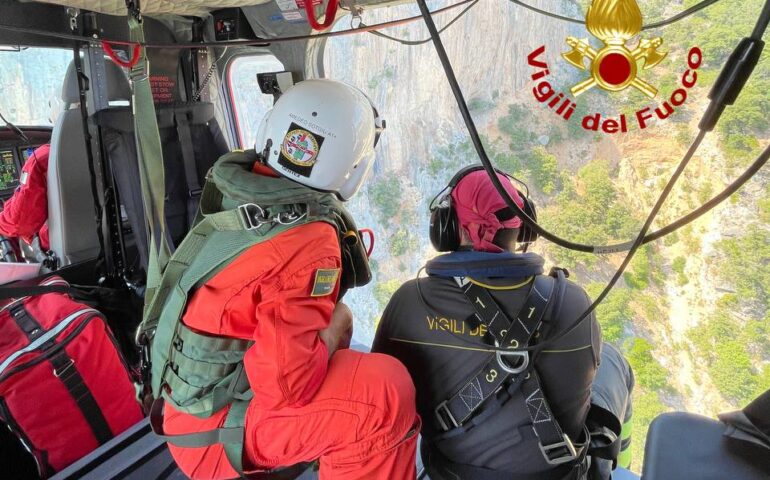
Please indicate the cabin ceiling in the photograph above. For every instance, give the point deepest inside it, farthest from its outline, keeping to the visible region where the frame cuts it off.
(158, 7)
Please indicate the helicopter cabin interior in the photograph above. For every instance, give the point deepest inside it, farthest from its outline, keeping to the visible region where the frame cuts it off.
(215, 68)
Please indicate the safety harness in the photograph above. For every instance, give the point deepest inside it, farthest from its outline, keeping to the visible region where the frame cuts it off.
(506, 372)
(201, 374)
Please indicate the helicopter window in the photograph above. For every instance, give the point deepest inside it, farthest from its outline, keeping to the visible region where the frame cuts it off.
(31, 79)
(248, 101)
(678, 311)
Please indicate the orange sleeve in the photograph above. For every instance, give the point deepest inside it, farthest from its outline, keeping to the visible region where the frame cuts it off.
(24, 214)
(288, 361)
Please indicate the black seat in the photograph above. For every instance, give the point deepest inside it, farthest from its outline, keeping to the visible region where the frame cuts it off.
(186, 163)
(682, 446)
(138, 454)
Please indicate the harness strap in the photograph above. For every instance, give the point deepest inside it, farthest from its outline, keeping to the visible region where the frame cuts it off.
(150, 154)
(556, 446)
(605, 429)
(190, 167)
(457, 409)
(66, 371)
(444, 469)
(231, 433)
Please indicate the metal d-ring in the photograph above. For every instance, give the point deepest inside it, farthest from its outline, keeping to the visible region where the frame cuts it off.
(522, 364)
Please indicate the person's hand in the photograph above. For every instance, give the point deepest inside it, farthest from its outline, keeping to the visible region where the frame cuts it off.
(340, 330)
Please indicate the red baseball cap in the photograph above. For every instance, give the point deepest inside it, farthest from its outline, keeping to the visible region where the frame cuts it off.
(480, 208)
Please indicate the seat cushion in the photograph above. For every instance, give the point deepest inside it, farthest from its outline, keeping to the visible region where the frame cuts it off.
(683, 446)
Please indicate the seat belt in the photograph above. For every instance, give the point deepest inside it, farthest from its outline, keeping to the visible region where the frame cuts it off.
(557, 448)
(182, 120)
(150, 155)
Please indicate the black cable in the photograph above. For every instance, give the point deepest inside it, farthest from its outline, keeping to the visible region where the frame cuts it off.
(734, 76)
(762, 23)
(412, 43)
(719, 198)
(629, 256)
(663, 23)
(15, 129)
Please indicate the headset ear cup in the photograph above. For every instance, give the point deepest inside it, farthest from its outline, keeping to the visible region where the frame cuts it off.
(444, 229)
(452, 233)
(527, 234)
(435, 228)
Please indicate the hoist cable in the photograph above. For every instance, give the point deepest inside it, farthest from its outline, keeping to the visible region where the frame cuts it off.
(733, 77)
(764, 19)
(412, 43)
(736, 71)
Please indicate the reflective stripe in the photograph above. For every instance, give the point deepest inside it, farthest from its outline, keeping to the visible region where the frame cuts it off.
(625, 432)
(45, 337)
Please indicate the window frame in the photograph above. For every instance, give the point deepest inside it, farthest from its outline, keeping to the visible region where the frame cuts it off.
(232, 108)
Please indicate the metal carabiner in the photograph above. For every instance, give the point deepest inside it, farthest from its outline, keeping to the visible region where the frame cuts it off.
(252, 216)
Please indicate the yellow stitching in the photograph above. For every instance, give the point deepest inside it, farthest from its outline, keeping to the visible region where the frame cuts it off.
(505, 287)
(441, 345)
(568, 351)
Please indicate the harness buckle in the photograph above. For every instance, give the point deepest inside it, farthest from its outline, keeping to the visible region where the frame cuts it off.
(521, 365)
(554, 454)
(252, 216)
(445, 418)
(196, 192)
(58, 374)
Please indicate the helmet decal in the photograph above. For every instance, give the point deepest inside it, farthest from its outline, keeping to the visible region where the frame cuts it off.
(299, 150)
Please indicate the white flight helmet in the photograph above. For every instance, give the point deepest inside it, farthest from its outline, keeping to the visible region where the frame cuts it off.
(321, 133)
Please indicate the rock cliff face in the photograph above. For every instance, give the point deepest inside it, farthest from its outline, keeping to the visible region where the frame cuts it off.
(488, 48)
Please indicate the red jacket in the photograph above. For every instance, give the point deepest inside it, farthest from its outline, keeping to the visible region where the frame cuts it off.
(265, 295)
(25, 213)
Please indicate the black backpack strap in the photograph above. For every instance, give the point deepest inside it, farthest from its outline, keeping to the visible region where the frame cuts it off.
(20, 292)
(194, 189)
(605, 429)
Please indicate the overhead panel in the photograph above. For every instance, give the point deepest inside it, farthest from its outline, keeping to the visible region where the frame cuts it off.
(157, 7)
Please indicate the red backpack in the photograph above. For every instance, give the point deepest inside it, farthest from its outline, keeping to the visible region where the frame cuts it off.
(65, 388)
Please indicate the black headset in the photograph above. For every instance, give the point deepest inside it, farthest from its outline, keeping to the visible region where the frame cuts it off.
(445, 227)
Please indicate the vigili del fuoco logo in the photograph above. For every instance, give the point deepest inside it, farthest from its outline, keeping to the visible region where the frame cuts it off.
(613, 67)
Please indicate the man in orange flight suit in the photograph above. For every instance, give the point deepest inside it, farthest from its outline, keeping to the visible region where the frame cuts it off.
(314, 398)
(24, 215)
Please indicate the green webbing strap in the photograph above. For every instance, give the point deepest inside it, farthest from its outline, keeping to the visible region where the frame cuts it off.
(150, 154)
(230, 435)
(236, 418)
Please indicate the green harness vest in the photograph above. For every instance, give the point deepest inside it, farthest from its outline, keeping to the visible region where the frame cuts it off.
(201, 374)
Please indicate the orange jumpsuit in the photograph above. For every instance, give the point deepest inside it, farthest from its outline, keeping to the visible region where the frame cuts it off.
(355, 411)
(25, 213)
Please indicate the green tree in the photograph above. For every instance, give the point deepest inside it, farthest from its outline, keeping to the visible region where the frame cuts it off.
(614, 313)
(386, 196)
(383, 291)
(648, 371)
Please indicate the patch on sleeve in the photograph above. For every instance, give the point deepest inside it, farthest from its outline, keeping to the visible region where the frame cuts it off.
(325, 281)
